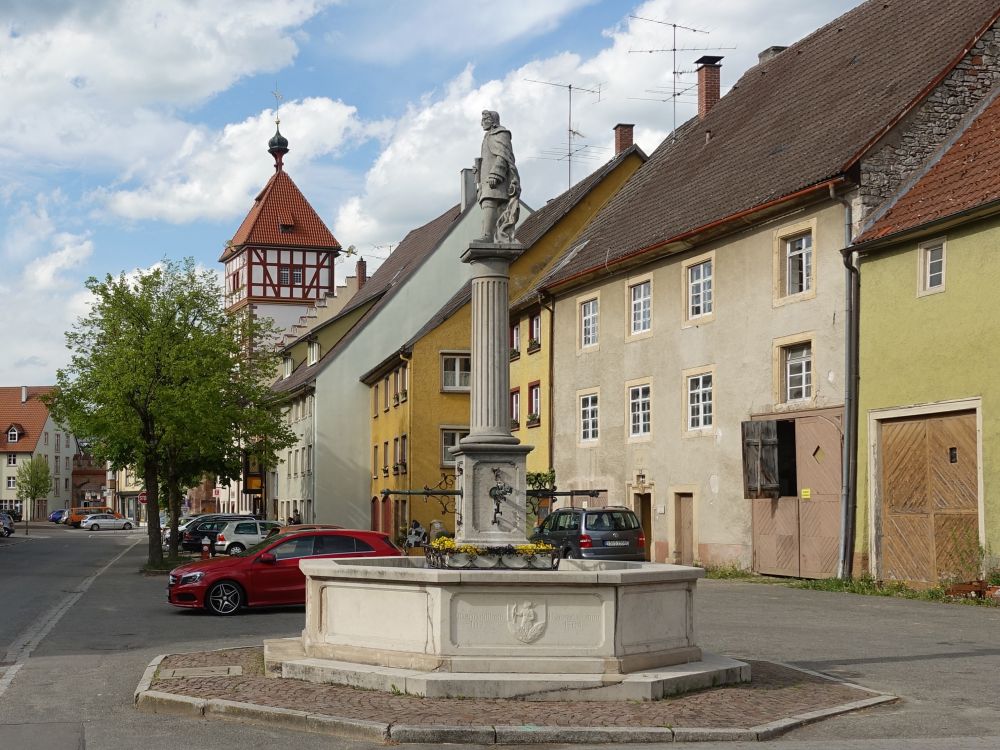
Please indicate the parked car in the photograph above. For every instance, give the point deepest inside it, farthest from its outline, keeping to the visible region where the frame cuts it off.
(182, 523)
(14, 513)
(268, 574)
(610, 533)
(76, 515)
(207, 526)
(236, 536)
(301, 527)
(99, 521)
(57, 516)
(6, 524)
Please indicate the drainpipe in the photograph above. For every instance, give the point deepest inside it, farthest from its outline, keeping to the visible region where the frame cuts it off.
(849, 456)
(546, 302)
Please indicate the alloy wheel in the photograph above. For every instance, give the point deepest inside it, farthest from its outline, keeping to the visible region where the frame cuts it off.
(224, 598)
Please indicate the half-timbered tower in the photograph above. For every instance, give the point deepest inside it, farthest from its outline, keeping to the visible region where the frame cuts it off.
(280, 261)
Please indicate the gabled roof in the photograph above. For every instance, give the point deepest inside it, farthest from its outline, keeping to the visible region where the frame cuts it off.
(30, 416)
(281, 203)
(380, 288)
(963, 176)
(795, 121)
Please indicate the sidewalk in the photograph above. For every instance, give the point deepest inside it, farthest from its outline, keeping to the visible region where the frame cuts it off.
(779, 698)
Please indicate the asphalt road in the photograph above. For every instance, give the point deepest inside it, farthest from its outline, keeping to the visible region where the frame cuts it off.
(79, 624)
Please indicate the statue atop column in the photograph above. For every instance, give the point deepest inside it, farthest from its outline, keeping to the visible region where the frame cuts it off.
(498, 183)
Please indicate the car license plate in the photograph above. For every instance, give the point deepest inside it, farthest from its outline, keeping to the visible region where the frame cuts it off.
(616, 543)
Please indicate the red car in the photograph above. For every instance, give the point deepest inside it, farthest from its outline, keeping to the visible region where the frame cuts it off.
(268, 574)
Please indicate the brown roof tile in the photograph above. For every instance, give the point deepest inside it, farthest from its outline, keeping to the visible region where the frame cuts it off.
(792, 122)
(30, 415)
(963, 177)
(281, 203)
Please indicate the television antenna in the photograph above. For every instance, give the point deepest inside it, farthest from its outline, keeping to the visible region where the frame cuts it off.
(570, 132)
(674, 49)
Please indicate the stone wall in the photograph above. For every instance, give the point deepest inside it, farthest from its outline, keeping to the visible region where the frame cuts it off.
(924, 130)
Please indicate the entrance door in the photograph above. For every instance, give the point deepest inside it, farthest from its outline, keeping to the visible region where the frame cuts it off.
(644, 504)
(929, 525)
(684, 527)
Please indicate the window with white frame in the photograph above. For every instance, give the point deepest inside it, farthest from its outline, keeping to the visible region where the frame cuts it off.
(535, 400)
(798, 264)
(57, 471)
(641, 296)
(450, 438)
(287, 364)
(288, 464)
(797, 361)
(404, 444)
(536, 330)
(67, 463)
(699, 401)
(284, 275)
(385, 395)
(395, 455)
(639, 411)
(313, 352)
(456, 371)
(375, 400)
(699, 288)
(515, 338)
(589, 322)
(11, 483)
(588, 417)
(375, 461)
(404, 380)
(385, 458)
(297, 275)
(515, 407)
(12, 459)
(932, 266)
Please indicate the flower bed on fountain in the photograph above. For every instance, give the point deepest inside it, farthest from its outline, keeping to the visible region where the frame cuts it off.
(445, 552)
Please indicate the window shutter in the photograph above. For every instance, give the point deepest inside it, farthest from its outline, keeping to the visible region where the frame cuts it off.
(760, 459)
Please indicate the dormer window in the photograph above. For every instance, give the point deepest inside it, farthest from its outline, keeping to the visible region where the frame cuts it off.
(313, 352)
(13, 435)
(286, 228)
(288, 367)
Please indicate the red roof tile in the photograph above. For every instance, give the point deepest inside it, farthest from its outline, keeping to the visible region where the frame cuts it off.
(790, 123)
(282, 203)
(31, 415)
(964, 177)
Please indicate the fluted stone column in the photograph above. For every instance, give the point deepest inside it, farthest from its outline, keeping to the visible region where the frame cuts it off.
(490, 456)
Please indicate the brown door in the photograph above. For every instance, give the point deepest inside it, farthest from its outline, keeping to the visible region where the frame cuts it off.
(644, 504)
(684, 527)
(929, 525)
(817, 465)
(776, 536)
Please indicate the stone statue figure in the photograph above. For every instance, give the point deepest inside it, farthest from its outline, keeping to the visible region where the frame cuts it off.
(498, 183)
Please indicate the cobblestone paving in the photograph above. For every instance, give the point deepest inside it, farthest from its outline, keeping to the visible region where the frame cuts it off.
(776, 692)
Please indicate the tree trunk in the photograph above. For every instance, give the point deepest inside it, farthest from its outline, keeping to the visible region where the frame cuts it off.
(174, 497)
(152, 481)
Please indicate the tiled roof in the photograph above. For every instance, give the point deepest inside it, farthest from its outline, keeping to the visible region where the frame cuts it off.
(30, 415)
(540, 222)
(281, 203)
(965, 176)
(381, 287)
(790, 123)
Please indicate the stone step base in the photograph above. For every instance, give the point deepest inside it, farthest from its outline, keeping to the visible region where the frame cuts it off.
(285, 658)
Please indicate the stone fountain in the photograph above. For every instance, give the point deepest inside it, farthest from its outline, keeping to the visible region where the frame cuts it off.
(588, 630)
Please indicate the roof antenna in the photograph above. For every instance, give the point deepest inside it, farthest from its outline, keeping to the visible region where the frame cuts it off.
(278, 145)
(570, 132)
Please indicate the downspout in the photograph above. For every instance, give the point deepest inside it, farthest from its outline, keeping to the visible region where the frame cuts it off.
(849, 448)
(542, 297)
(312, 464)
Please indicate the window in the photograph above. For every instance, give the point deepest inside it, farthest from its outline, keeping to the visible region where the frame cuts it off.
(385, 458)
(299, 547)
(699, 290)
(385, 393)
(57, 471)
(455, 372)
(287, 363)
(515, 339)
(699, 401)
(46, 438)
(798, 264)
(309, 458)
(375, 401)
(12, 435)
(335, 544)
(797, 371)
(297, 275)
(375, 461)
(313, 352)
(450, 438)
(404, 379)
(67, 463)
(11, 483)
(288, 465)
(66, 483)
(535, 331)
(589, 323)
(534, 402)
(12, 459)
(515, 408)
(283, 275)
(403, 450)
(588, 417)
(639, 411)
(246, 528)
(932, 266)
(395, 386)
(295, 460)
(395, 455)
(55, 489)
(641, 297)
(58, 441)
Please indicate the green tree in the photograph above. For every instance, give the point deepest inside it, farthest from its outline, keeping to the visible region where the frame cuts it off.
(34, 481)
(162, 379)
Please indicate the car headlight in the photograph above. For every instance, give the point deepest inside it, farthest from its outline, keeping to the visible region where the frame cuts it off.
(191, 578)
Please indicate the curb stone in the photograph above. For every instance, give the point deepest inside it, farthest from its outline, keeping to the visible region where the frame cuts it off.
(358, 729)
(442, 733)
(155, 702)
(713, 734)
(779, 727)
(530, 734)
(147, 678)
(270, 715)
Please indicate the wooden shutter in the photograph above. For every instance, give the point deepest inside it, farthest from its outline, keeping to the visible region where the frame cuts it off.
(760, 459)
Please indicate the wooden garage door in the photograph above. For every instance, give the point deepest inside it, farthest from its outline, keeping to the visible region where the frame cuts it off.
(929, 515)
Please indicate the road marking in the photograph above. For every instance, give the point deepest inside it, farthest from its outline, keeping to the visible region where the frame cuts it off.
(35, 633)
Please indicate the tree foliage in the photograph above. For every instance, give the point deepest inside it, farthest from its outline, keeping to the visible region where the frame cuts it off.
(163, 379)
(34, 480)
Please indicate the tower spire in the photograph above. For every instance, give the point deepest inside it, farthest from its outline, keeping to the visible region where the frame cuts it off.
(278, 145)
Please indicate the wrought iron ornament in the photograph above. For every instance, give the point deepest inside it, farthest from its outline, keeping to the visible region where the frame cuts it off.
(499, 492)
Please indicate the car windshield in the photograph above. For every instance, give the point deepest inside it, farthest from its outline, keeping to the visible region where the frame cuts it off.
(609, 520)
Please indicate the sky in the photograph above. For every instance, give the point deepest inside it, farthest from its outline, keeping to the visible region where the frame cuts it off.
(136, 130)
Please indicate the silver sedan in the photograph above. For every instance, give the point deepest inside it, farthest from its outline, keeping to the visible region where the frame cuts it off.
(99, 521)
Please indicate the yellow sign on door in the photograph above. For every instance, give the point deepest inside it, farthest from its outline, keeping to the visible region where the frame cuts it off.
(806, 493)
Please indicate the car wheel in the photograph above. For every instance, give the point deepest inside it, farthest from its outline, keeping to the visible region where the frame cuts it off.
(235, 549)
(95, 527)
(567, 553)
(127, 527)
(224, 598)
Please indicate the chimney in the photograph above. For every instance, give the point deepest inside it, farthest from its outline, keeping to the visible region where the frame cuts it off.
(361, 271)
(709, 83)
(24, 394)
(623, 136)
(770, 52)
(468, 187)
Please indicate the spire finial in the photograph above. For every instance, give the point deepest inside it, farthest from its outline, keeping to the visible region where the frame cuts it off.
(278, 145)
